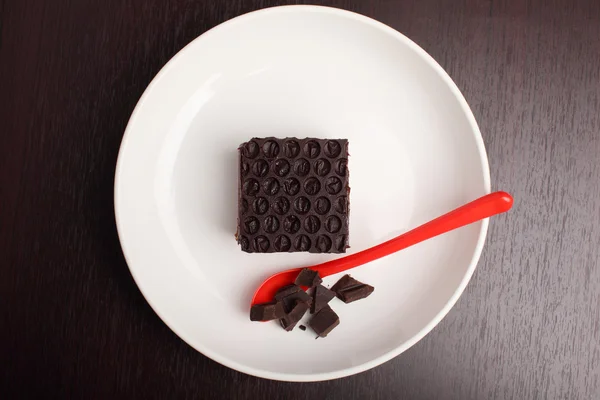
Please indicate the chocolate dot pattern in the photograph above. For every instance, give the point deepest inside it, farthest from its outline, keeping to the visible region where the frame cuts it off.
(261, 244)
(312, 224)
(271, 186)
(323, 243)
(291, 224)
(251, 225)
(260, 168)
(302, 243)
(312, 186)
(301, 167)
(260, 205)
(250, 149)
(322, 167)
(293, 195)
(270, 149)
(282, 243)
(281, 205)
(271, 224)
(281, 167)
(302, 205)
(244, 243)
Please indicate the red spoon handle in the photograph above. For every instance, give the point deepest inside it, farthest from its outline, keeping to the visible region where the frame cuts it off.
(484, 207)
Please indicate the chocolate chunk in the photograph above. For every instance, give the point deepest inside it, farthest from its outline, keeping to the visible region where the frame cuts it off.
(289, 321)
(267, 311)
(293, 195)
(286, 291)
(324, 321)
(301, 296)
(321, 296)
(349, 289)
(357, 293)
(302, 327)
(344, 282)
(308, 277)
(290, 295)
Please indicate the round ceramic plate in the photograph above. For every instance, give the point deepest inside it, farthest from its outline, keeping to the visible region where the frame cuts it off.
(415, 153)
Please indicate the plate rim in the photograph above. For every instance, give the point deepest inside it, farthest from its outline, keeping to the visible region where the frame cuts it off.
(314, 377)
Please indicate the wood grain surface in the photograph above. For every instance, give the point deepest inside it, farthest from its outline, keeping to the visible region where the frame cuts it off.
(74, 325)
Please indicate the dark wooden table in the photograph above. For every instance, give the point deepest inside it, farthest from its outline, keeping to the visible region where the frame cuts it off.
(74, 325)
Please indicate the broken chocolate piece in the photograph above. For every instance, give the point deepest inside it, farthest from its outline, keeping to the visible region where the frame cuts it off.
(302, 327)
(301, 296)
(289, 321)
(286, 291)
(288, 302)
(324, 322)
(349, 289)
(321, 296)
(357, 293)
(267, 311)
(344, 282)
(308, 277)
(288, 295)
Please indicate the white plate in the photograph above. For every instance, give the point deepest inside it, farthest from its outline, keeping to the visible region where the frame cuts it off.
(416, 152)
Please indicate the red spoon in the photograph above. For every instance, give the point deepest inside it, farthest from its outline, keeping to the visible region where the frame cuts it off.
(483, 207)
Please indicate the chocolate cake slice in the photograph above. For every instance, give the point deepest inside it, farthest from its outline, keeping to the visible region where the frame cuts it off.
(293, 195)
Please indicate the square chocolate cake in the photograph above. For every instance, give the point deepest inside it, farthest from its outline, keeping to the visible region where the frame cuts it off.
(293, 195)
